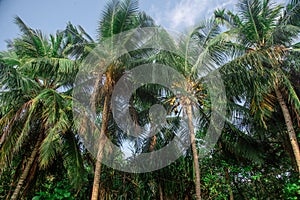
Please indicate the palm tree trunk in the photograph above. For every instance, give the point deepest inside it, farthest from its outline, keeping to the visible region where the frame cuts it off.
(96, 182)
(231, 197)
(152, 143)
(27, 168)
(290, 128)
(102, 141)
(161, 195)
(194, 149)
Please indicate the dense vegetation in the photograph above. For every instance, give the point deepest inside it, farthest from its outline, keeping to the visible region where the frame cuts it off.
(257, 156)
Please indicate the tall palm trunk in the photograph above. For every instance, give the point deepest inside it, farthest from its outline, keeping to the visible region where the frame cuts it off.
(102, 141)
(27, 168)
(231, 197)
(189, 112)
(161, 194)
(290, 128)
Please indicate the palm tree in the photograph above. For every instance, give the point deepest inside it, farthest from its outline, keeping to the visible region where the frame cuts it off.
(118, 17)
(36, 102)
(264, 33)
(198, 56)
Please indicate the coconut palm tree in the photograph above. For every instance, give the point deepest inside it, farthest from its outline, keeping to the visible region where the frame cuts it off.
(118, 17)
(36, 103)
(196, 57)
(264, 33)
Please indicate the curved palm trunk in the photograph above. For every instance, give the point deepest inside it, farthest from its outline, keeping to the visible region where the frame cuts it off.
(194, 149)
(290, 128)
(27, 168)
(102, 141)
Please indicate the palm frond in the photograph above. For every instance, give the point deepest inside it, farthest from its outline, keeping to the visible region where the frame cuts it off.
(249, 11)
(49, 149)
(292, 13)
(241, 145)
(227, 18)
(73, 160)
(292, 95)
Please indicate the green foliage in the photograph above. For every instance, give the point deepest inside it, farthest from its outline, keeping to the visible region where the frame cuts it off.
(253, 158)
(292, 190)
(55, 190)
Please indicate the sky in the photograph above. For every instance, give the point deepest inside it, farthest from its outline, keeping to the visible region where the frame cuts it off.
(52, 15)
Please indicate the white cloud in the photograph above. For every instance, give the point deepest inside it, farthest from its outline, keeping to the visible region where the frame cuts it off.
(184, 14)
(188, 13)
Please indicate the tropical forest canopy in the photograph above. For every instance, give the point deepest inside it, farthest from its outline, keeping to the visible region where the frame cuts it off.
(253, 51)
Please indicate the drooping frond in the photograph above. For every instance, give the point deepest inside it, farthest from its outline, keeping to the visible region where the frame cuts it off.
(241, 145)
(73, 160)
(293, 98)
(285, 34)
(78, 43)
(291, 13)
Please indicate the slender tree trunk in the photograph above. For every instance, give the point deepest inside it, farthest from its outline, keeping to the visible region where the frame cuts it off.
(27, 168)
(228, 183)
(103, 193)
(152, 143)
(290, 128)
(97, 173)
(161, 195)
(102, 141)
(189, 112)
(95, 95)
